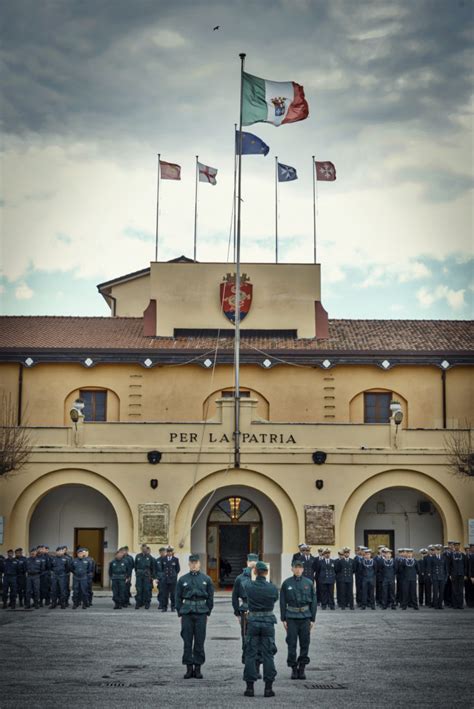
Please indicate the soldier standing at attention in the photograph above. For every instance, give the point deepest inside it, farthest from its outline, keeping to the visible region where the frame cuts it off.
(80, 568)
(307, 558)
(358, 574)
(261, 597)
(128, 560)
(145, 572)
(159, 576)
(119, 575)
(90, 576)
(344, 568)
(388, 581)
(34, 568)
(457, 568)
(326, 579)
(298, 605)
(45, 580)
(422, 595)
(194, 603)
(368, 580)
(170, 567)
(428, 580)
(438, 572)
(10, 579)
(60, 568)
(239, 597)
(21, 575)
(378, 560)
(409, 570)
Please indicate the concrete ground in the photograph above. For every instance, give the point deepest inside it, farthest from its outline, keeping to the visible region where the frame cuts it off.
(102, 657)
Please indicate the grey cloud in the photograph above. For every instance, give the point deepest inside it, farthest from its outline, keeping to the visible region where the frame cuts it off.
(438, 184)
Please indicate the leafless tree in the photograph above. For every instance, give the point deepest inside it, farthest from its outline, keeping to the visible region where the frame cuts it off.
(15, 441)
(459, 451)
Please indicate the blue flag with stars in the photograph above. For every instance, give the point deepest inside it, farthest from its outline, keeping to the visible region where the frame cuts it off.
(286, 173)
(251, 144)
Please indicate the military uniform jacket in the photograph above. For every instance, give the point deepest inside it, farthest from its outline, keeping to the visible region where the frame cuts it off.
(326, 571)
(11, 567)
(438, 568)
(91, 570)
(298, 598)
(170, 568)
(118, 569)
(46, 561)
(22, 565)
(194, 594)
(367, 569)
(457, 564)
(409, 569)
(129, 563)
(34, 565)
(61, 566)
(80, 567)
(145, 565)
(240, 592)
(470, 565)
(357, 565)
(344, 569)
(308, 563)
(387, 570)
(262, 596)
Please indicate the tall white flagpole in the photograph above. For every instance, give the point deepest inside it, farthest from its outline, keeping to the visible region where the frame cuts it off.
(235, 188)
(276, 208)
(196, 208)
(314, 207)
(157, 208)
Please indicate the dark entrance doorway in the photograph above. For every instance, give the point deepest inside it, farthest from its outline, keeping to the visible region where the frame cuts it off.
(234, 529)
(93, 539)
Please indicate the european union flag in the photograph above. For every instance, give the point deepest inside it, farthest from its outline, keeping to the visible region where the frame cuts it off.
(286, 173)
(251, 144)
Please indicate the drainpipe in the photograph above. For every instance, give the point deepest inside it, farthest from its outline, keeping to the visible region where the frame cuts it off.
(20, 393)
(443, 389)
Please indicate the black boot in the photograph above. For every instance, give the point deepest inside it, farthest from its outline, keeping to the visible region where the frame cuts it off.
(249, 692)
(197, 672)
(189, 672)
(301, 672)
(294, 672)
(268, 690)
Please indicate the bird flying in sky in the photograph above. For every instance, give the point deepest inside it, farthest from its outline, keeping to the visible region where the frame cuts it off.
(217, 27)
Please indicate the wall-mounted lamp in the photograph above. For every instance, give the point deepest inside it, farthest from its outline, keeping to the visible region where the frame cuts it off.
(319, 457)
(154, 457)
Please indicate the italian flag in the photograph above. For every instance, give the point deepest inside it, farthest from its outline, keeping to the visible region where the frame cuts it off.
(274, 102)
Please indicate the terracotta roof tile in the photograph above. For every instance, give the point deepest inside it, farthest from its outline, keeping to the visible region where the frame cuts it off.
(35, 333)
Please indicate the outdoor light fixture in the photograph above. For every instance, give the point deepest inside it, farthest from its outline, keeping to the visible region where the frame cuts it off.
(154, 457)
(326, 363)
(29, 361)
(153, 483)
(319, 457)
(88, 362)
(319, 484)
(445, 364)
(76, 411)
(267, 363)
(398, 417)
(148, 362)
(208, 363)
(234, 503)
(385, 364)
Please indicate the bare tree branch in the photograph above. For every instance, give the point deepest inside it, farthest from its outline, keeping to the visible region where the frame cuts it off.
(459, 451)
(15, 441)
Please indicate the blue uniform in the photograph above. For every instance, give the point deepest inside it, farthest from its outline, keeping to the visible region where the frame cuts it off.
(21, 580)
(388, 583)
(60, 569)
(367, 573)
(438, 570)
(457, 568)
(409, 571)
(170, 569)
(11, 568)
(34, 569)
(345, 567)
(326, 576)
(261, 597)
(80, 590)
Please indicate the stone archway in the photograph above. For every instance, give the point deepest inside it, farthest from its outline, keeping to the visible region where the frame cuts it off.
(27, 502)
(413, 480)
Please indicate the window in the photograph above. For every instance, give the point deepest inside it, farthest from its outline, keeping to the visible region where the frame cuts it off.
(377, 407)
(95, 404)
(229, 394)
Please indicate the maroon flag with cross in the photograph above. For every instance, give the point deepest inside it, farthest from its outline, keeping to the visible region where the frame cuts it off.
(325, 171)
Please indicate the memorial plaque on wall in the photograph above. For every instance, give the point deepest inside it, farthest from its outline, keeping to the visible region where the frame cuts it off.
(319, 524)
(153, 523)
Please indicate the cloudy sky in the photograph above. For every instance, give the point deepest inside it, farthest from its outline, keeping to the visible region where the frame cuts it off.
(94, 89)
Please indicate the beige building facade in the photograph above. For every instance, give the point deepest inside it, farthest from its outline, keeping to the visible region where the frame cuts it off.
(322, 459)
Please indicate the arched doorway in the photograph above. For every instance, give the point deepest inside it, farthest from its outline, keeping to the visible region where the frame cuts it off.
(234, 529)
(228, 524)
(399, 517)
(77, 515)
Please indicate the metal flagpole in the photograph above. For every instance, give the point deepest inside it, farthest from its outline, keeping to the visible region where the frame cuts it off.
(237, 281)
(157, 208)
(314, 208)
(235, 186)
(276, 209)
(196, 208)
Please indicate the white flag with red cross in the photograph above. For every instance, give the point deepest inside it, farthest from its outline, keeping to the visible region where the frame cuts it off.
(207, 174)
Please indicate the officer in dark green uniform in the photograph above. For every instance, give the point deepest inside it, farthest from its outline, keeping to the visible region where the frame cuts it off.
(145, 572)
(119, 575)
(194, 603)
(298, 606)
(239, 597)
(261, 598)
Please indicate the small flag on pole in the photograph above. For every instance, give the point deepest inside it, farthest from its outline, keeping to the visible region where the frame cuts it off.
(286, 173)
(276, 102)
(325, 171)
(207, 174)
(251, 144)
(170, 171)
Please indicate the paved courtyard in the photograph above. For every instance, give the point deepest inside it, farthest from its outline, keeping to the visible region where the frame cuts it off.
(105, 658)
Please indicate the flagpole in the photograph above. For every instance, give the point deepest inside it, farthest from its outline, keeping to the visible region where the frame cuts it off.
(237, 280)
(314, 208)
(276, 208)
(157, 208)
(235, 186)
(196, 208)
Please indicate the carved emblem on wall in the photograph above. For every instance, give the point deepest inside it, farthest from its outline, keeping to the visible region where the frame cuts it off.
(319, 524)
(153, 523)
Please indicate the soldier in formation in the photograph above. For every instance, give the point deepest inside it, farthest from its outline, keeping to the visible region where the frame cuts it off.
(298, 607)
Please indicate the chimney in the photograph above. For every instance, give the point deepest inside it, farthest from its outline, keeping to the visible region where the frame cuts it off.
(149, 319)
(322, 322)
